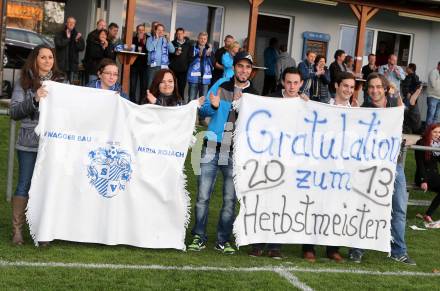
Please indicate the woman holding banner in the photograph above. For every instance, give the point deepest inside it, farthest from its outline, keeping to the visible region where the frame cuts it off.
(108, 74)
(28, 91)
(164, 91)
(427, 175)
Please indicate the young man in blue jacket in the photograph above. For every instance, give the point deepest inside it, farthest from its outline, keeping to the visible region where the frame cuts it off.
(217, 155)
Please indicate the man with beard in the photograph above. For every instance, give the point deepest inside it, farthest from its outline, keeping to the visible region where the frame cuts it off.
(217, 155)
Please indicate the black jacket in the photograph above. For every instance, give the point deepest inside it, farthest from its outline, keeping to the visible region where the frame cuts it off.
(366, 71)
(278, 94)
(141, 61)
(180, 63)
(94, 54)
(426, 171)
(168, 101)
(218, 73)
(319, 89)
(334, 69)
(67, 50)
(410, 84)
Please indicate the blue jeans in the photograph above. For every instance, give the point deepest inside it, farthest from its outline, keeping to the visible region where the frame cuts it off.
(151, 73)
(433, 110)
(398, 215)
(196, 89)
(26, 164)
(211, 162)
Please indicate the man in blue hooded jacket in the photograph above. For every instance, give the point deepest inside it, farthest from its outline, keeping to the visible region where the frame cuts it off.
(217, 155)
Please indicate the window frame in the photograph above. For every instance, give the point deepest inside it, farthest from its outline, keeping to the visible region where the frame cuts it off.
(174, 16)
(376, 33)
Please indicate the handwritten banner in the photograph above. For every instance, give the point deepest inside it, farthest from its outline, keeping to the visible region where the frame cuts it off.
(313, 173)
(109, 171)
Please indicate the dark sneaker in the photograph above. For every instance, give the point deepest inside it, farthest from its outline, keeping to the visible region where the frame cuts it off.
(356, 257)
(225, 248)
(197, 244)
(275, 254)
(404, 259)
(44, 244)
(256, 252)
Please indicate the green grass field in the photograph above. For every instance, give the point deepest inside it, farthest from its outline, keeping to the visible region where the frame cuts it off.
(132, 268)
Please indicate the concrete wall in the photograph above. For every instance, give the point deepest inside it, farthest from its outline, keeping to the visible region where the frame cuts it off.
(307, 17)
(116, 8)
(82, 11)
(327, 19)
(434, 48)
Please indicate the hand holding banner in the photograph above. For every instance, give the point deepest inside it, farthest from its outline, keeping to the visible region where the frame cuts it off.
(313, 173)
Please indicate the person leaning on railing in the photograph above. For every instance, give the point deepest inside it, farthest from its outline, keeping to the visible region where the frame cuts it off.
(28, 91)
(427, 175)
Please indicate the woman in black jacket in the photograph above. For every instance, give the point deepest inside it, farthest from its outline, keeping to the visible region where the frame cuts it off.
(427, 175)
(163, 90)
(97, 49)
(319, 90)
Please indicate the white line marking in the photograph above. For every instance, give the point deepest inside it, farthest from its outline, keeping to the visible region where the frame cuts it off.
(363, 272)
(292, 279)
(4, 263)
(414, 202)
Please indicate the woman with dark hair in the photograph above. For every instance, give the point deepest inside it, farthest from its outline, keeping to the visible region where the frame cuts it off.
(427, 175)
(319, 88)
(28, 91)
(96, 50)
(163, 90)
(108, 74)
(349, 63)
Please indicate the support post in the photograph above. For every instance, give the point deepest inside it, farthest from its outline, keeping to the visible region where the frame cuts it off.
(129, 24)
(253, 20)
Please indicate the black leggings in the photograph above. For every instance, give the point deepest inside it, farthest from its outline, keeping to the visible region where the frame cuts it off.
(434, 204)
(434, 186)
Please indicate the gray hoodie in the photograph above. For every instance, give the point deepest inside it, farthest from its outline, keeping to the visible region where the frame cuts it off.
(434, 84)
(284, 61)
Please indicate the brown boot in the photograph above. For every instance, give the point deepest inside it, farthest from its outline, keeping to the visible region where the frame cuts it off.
(18, 218)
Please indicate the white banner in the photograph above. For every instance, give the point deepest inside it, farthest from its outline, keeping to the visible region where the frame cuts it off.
(313, 173)
(109, 171)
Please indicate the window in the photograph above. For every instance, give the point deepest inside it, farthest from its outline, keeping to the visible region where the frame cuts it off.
(148, 11)
(382, 43)
(348, 40)
(16, 35)
(34, 39)
(195, 18)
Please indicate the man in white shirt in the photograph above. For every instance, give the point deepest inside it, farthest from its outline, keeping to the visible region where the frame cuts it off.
(344, 85)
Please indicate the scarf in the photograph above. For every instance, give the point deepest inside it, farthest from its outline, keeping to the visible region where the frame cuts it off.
(436, 144)
(163, 46)
(168, 100)
(48, 77)
(115, 87)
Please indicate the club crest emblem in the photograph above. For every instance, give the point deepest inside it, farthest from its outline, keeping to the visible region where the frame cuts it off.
(109, 170)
